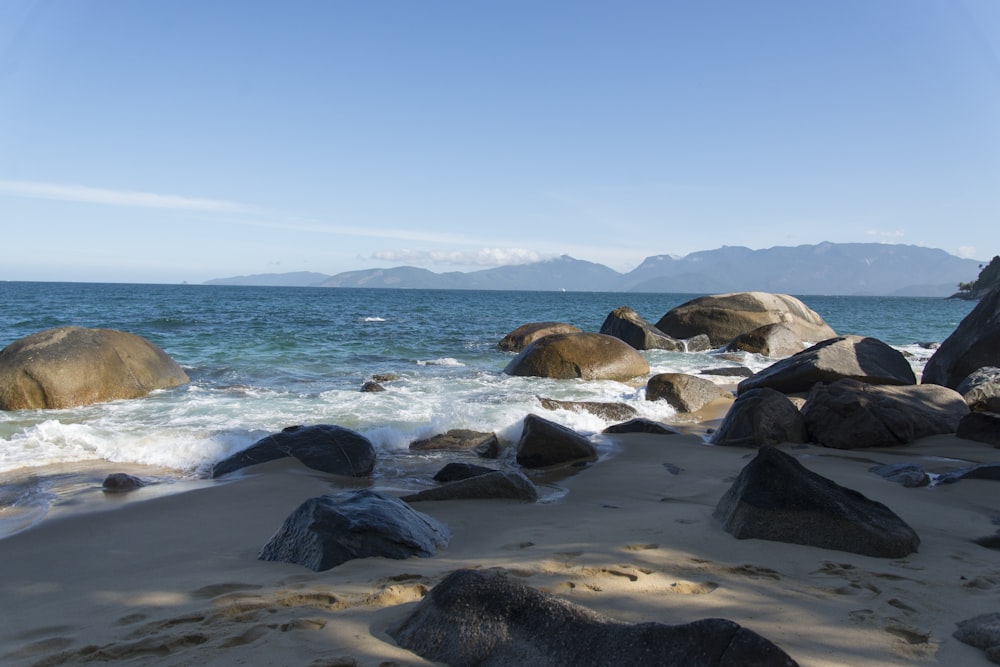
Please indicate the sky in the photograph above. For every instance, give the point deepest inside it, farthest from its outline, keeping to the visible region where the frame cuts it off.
(197, 139)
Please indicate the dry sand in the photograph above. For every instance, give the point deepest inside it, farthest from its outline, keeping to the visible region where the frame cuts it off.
(174, 580)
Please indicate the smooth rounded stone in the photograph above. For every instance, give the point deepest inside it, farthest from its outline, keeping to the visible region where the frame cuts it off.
(455, 471)
(526, 334)
(608, 411)
(72, 366)
(545, 443)
(987, 471)
(372, 387)
(486, 618)
(848, 414)
(586, 356)
(485, 445)
(385, 377)
(641, 425)
(495, 484)
(627, 325)
(120, 482)
(982, 632)
(776, 498)
(684, 393)
(974, 344)
(761, 417)
(909, 475)
(981, 389)
(723, 317)
(770, 340)
(324, 447)
(980, 427)
(325, 531)
(854, 357)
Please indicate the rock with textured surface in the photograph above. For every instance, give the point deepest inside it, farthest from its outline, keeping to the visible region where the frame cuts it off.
(684, 393)
(770, 340)
(586, 356)
(545, 443)
(761, 417)
(325, 447)
(981, 389)
(983, 632)
(627, 325)
(486, 445)
(526, 334)
(496, 484)
(974, 344)
(73, 366)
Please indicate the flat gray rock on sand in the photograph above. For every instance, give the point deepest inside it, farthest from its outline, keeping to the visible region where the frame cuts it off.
(482, 617)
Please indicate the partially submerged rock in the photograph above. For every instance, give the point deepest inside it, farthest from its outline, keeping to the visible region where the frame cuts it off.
(627, 325)
(684, 393)
(477, 617)
(500, 484)
(761, 417)
(607, 411)
(325, 447)
(642, 425)
(454, 471)
(776, 498)
(770, 340)
(120, 482)
(853, 357)
(486, 445)
(848, 414)
(72, 366)
(545, 443)
(909, 475)
(325, 531)
(975, 343)
(586, 356)
(526, 334)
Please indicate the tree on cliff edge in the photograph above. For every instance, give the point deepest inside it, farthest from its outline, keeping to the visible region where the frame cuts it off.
(989, 277)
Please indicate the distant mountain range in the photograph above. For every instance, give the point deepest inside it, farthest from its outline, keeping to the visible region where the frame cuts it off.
(827, 268)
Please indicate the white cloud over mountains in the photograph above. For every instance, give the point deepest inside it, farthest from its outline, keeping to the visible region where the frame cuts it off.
(481, 257)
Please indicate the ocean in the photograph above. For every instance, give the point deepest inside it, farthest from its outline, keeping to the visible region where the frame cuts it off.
(263, 358)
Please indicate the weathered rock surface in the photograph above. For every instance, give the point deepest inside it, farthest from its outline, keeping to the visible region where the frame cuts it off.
(989, 471)
(770, 340)
(776, 498)
(72, 366)
(454, 471)
(641, 425)
(120, 482)
(909, 475)
(325, 531)
(855, 357)
(482, 617)
(486, 445)
(848, 414)
(983, 632)
(727, 371)
(587, 356)
(981, 427)
(545, 443)
(684, 393)
(723, 317)
(974, 344)
(500, 484)
(325, 447)
(626, 324)
(607, 411)
(981, 389)
(761, 417)
(526, 334)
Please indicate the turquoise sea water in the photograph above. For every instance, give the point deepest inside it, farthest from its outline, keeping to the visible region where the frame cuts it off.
(263, 358)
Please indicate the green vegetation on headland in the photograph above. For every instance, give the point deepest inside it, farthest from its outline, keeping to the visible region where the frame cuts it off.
(989, 277)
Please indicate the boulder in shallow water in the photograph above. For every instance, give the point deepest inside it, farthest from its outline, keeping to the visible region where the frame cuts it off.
(72, 366)
(642, 425)
(486, 445)
(776, 498)
(586, 356)
(120, 482)
(684, 393)
(325, 531)
(483, 617)
(609, 411)
(526, 334)
(324, 447)
(454, 471)
(546, 443)
(626, 324)
(770, 340)
(974, 344)
(495, 484)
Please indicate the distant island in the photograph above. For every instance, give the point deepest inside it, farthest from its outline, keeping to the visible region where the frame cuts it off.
(849, 269)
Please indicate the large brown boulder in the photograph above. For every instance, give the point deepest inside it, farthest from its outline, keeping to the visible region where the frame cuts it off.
(856, 357)
(526, 334)
(770, 340)
(72, 366)
(723, 317)
(684, 393)
(973, 345)
(587, 356)
(629, 326)
(848, 414)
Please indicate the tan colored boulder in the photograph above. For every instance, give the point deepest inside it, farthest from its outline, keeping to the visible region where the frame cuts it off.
(73, 366)
(684, 393)
(587, 356)
(526, 334)
(770, 340)
(723, 317)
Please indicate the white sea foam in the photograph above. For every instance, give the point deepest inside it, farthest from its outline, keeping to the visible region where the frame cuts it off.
(445, 361)
(373, 319)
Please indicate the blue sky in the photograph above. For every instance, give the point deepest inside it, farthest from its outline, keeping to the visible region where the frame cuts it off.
(188, 140)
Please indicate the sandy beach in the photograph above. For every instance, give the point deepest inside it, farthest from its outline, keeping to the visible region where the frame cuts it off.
(174, 579)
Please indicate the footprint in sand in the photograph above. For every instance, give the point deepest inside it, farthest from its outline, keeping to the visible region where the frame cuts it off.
(641, 547)
(755, 571)
(215, 590)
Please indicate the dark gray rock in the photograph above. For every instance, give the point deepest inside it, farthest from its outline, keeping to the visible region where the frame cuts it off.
(981, 427)
(586, 356)
(684, 393)
(641, 425)
(770, 340)
(500, 484)
(329, 530)
(982, 632)
(776, 498)
(761, 417)
(72, 366)
(854, 357)
(627, 325)
(909, 475)
(325, 447)
(526, 334)
(455, 471)
(545, 443)
(485, 445)
(974, 344)
(989, 471)
(482, 617)
(728, 371)
(120, 482)
(981, 390)
(848, 414)
(607, 411)
(372, 387)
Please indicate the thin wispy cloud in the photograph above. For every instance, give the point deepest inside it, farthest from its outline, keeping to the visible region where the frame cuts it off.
(109, 197)
(481, 257)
